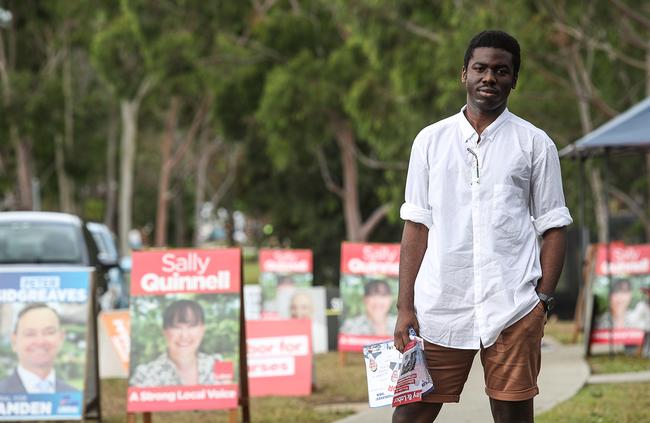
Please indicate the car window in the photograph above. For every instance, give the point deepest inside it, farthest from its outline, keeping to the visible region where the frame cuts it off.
(39, 242)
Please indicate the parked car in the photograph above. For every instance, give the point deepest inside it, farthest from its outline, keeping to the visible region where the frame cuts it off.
(53, 239)
(116, 295)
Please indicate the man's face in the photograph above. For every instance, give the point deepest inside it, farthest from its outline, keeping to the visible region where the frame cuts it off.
(38, 339)
(184, 339)
(301, 307)
(488, 79)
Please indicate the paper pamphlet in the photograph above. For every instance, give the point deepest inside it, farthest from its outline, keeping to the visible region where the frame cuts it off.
(414, 378)
(395, 378)
(382, 371)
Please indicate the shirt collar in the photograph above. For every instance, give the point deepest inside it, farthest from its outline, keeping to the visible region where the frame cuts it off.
(33, 383)
(467, 130)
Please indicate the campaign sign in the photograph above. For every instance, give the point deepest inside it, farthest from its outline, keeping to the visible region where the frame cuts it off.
(185, 310)
(282, 270)
(43, 338)
(114, 343)
(369, 294)
(307, 303)
(622, 306)
(279, 357)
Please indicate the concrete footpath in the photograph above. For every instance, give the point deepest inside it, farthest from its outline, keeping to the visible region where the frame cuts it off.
(564, 372)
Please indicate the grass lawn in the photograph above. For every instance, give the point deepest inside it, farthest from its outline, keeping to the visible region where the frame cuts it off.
(335, 385)
(620, 403)
(619, 363)
(562, 331)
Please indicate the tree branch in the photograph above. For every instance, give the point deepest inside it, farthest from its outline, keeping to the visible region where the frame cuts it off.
(326, 175)
(231, 171)
(632, 205)
(632, 14)
(373, 220)
(191, 132)
(378, 164)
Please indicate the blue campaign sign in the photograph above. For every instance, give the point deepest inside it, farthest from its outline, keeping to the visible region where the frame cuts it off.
(26, 407)
(42, 286)
(44, 324)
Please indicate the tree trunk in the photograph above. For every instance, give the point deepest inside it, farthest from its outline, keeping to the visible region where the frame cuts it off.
(129, 113)
(180, 228)
(22, 148)
(23, 169)
(111, 172)
(206, 150)
(66, 184)
(165, 172)
(351, 208)
(63, 181)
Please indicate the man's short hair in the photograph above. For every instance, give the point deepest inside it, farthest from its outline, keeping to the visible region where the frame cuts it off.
(376, 287)
(183, 311)
(495, 39)
(34, 306)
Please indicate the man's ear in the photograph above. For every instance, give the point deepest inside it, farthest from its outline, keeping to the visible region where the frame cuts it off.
(463, 74)
(514, 82)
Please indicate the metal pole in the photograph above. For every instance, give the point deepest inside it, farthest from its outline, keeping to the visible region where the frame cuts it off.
(587, 296)
(608, 254)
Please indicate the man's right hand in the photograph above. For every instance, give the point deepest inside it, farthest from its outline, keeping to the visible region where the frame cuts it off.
(405, 319)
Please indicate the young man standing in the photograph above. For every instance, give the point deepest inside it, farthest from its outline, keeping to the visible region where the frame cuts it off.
(483, 243)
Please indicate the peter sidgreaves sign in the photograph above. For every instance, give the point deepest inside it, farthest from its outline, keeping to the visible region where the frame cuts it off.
(622, 306)
(44, 339)
(185, 330)
(369, 292)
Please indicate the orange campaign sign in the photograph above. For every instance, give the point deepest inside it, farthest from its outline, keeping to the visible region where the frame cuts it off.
(118, 328)
(185, 330)
(369, 294)
(279, 357)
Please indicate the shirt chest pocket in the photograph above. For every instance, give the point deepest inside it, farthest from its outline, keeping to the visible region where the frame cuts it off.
(509, 211)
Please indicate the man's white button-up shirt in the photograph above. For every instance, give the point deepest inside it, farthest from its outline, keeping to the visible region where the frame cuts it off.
(486, 204)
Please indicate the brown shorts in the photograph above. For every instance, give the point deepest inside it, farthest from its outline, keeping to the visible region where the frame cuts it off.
(510, 365)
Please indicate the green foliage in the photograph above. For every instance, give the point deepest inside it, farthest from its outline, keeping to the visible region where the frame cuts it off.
(119, 56)
(279, 76)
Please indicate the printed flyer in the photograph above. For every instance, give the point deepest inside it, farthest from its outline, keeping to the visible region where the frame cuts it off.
(281, 271)
(44, 316)
(382, 371)
(414, 379)
(185, 310)
(369, 293)
(622, 300)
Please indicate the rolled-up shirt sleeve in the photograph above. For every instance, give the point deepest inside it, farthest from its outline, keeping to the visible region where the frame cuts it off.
(548, 207)
(416, 206)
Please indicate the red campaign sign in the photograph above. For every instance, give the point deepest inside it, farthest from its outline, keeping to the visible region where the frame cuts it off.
(625, 259)
(177, 398)
(179, 271)
(373, 259)
(286, 261)
(618, 336)
(279, 357)
(355, 343)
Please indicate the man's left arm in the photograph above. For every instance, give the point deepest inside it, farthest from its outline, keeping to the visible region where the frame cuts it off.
(552, 259)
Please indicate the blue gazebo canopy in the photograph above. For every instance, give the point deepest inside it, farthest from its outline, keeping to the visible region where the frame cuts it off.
(629, 130)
